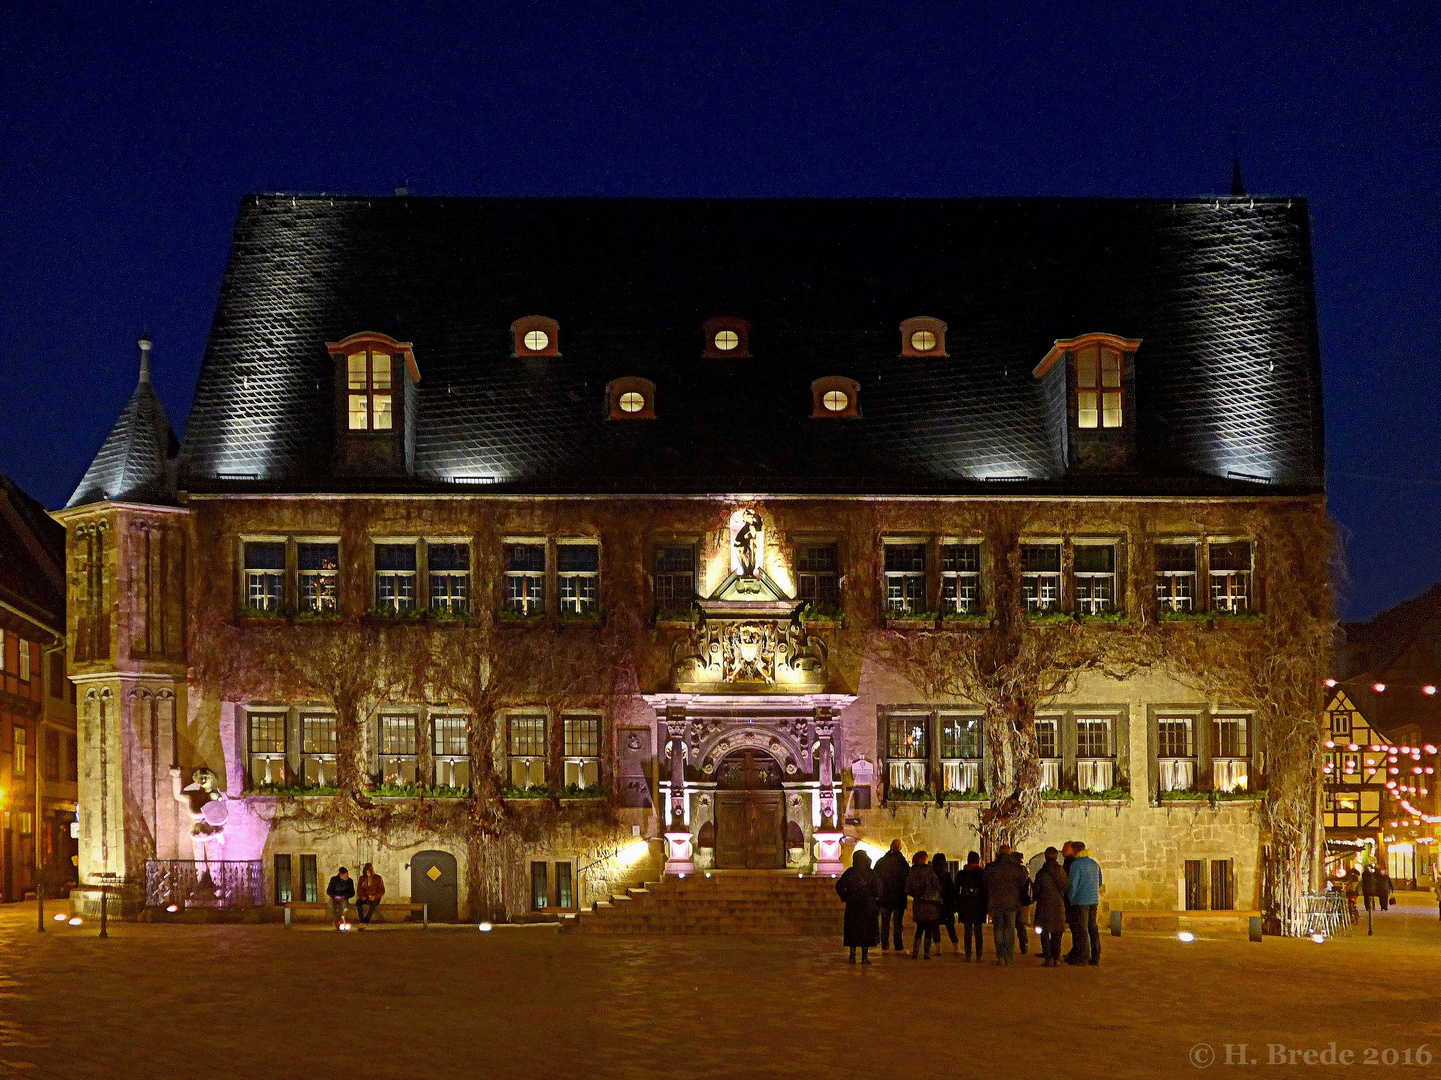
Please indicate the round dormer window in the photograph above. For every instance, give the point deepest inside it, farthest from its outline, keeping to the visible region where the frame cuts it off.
(726, 340)
(536, 340)
(835, 400)
(632, 401)
(923, 341)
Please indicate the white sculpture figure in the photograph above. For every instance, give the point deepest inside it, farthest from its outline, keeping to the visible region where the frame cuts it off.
(208, 813)
(747, 542)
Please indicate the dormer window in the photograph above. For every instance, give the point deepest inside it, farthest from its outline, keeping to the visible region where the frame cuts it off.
(535, 335)
(835, 396)
(370, 390)
(630, 398)
(923, 336)
(1098, 386)
(727, 337)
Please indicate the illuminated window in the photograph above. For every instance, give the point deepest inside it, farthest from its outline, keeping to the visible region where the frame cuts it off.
(1175, 577)
(905, 579)
(318, 747)
(630, 398)
(835, 396)
(1175, 753)
(1095, 578)
(449, 572)
(19, 746)
(267, 748)
(726, 336)
(960, 752)
(526, 743)
(1041, 576)
(835, 400)
(1095, 762)
(1231, 577)
(1098, 386)
(525, 579)
(727, 340)
(318, 565)
(907, 750)
(960, 578)
(536, 340)
(632, 401)
(265, 575)
(397, 749)
(578, 574)
(582, 750)
(370, 390)
(1230, 754)
(923, 336)
(451, 751)
(395, 569)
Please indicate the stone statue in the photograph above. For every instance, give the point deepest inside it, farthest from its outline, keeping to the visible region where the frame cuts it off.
(747, 542)
(208, 813)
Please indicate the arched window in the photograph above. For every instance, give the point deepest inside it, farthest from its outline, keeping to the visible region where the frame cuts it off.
(727, 337)
(535, 335)
(923, 336)
(630, 398)
(835, 396)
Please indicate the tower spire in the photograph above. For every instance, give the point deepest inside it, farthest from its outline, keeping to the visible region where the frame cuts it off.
(145, 359)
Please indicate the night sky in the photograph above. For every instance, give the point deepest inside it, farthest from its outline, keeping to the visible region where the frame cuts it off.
(128, 136)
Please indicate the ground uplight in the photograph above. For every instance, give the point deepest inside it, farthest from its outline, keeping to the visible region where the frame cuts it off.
(485, 928)
(1186, 936)
(172, 908)
(1319, 939)
(76, 920)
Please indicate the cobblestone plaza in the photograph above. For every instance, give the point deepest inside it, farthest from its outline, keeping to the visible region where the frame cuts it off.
(261, 1001)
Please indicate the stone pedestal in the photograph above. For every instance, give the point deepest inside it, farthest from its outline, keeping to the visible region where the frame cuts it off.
(679, 853)
(828, 853)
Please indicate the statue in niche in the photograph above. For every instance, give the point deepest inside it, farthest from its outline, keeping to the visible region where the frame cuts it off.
(747, 539)
(208, 810)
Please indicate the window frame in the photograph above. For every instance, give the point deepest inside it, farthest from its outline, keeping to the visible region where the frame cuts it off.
(525, 606)
(269, 757)
(1098, 400)
(393, 605)
(1232, 600)
(453, 603)
(811, 580)
(523, 749)
(1169, 582)
(1176, 771)
(1230, 772)
(441, 754)
(899, 584)
(1085, 583)
(248, 574)
(908, 771)
(1032, 581)
(388, 723)
(968, 769)
(577, 606)
(955, 576)
(370, 393)
(319, 757)
(667, 603)
(577, 756)
(319, 576)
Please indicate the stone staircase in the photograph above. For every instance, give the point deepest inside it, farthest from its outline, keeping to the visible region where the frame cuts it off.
(723, 902)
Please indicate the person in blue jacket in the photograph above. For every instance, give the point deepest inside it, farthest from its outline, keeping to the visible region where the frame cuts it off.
(1084, 896)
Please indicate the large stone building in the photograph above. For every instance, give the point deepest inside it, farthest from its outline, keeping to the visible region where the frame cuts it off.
(38, 751)
(660, 489)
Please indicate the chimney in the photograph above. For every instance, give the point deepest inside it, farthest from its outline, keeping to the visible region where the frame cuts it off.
(145, 360)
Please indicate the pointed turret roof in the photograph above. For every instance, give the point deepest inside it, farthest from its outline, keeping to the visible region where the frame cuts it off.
(136, 463)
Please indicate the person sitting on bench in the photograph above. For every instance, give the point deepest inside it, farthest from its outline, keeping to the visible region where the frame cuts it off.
(340, 890)
(368, 896)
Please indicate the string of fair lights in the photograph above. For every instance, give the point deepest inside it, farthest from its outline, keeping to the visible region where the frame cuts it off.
(1403, 778)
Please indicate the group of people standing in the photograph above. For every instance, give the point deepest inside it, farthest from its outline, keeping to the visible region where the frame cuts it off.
(1062, 888)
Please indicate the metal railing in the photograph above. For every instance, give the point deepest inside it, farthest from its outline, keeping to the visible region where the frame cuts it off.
(187, 883)
(1325, 913)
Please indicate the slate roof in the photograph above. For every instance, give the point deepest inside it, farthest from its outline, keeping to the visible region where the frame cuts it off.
(32, 559)
(138, 459)
(1220, 292)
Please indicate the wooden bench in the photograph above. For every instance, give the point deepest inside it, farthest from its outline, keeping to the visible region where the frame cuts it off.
(324, 906)
(1238, 921)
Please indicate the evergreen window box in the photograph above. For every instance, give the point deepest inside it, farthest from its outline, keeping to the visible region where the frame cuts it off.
(911, 795)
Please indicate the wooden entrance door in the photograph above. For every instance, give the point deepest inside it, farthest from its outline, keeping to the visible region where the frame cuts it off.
(750, 814)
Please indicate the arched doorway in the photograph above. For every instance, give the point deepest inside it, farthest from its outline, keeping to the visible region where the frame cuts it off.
(750, 813)
(433, 881)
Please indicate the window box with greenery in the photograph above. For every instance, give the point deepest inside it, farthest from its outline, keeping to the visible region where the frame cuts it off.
(1110, 794)
(919, 620)
(966, 618)
(911, 795)
(1212, 797)
(821, 613)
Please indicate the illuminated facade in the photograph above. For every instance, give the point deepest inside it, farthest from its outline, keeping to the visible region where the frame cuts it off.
(734, 459)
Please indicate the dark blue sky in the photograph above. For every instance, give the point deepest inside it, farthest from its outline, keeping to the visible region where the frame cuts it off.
(128, 136)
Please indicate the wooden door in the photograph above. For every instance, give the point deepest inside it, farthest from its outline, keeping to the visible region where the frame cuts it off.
(766, 830)
(732, 829)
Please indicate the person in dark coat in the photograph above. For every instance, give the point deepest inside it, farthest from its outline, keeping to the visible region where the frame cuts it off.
(972, 903)
(1051, 887)
(1384, 889)
(340, 890)
(860, 888)
(1027, 899)
(924, 888)
(1006, 886)
(1368, 888)
(1068, 857)
(948, 901)
(892, 869)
